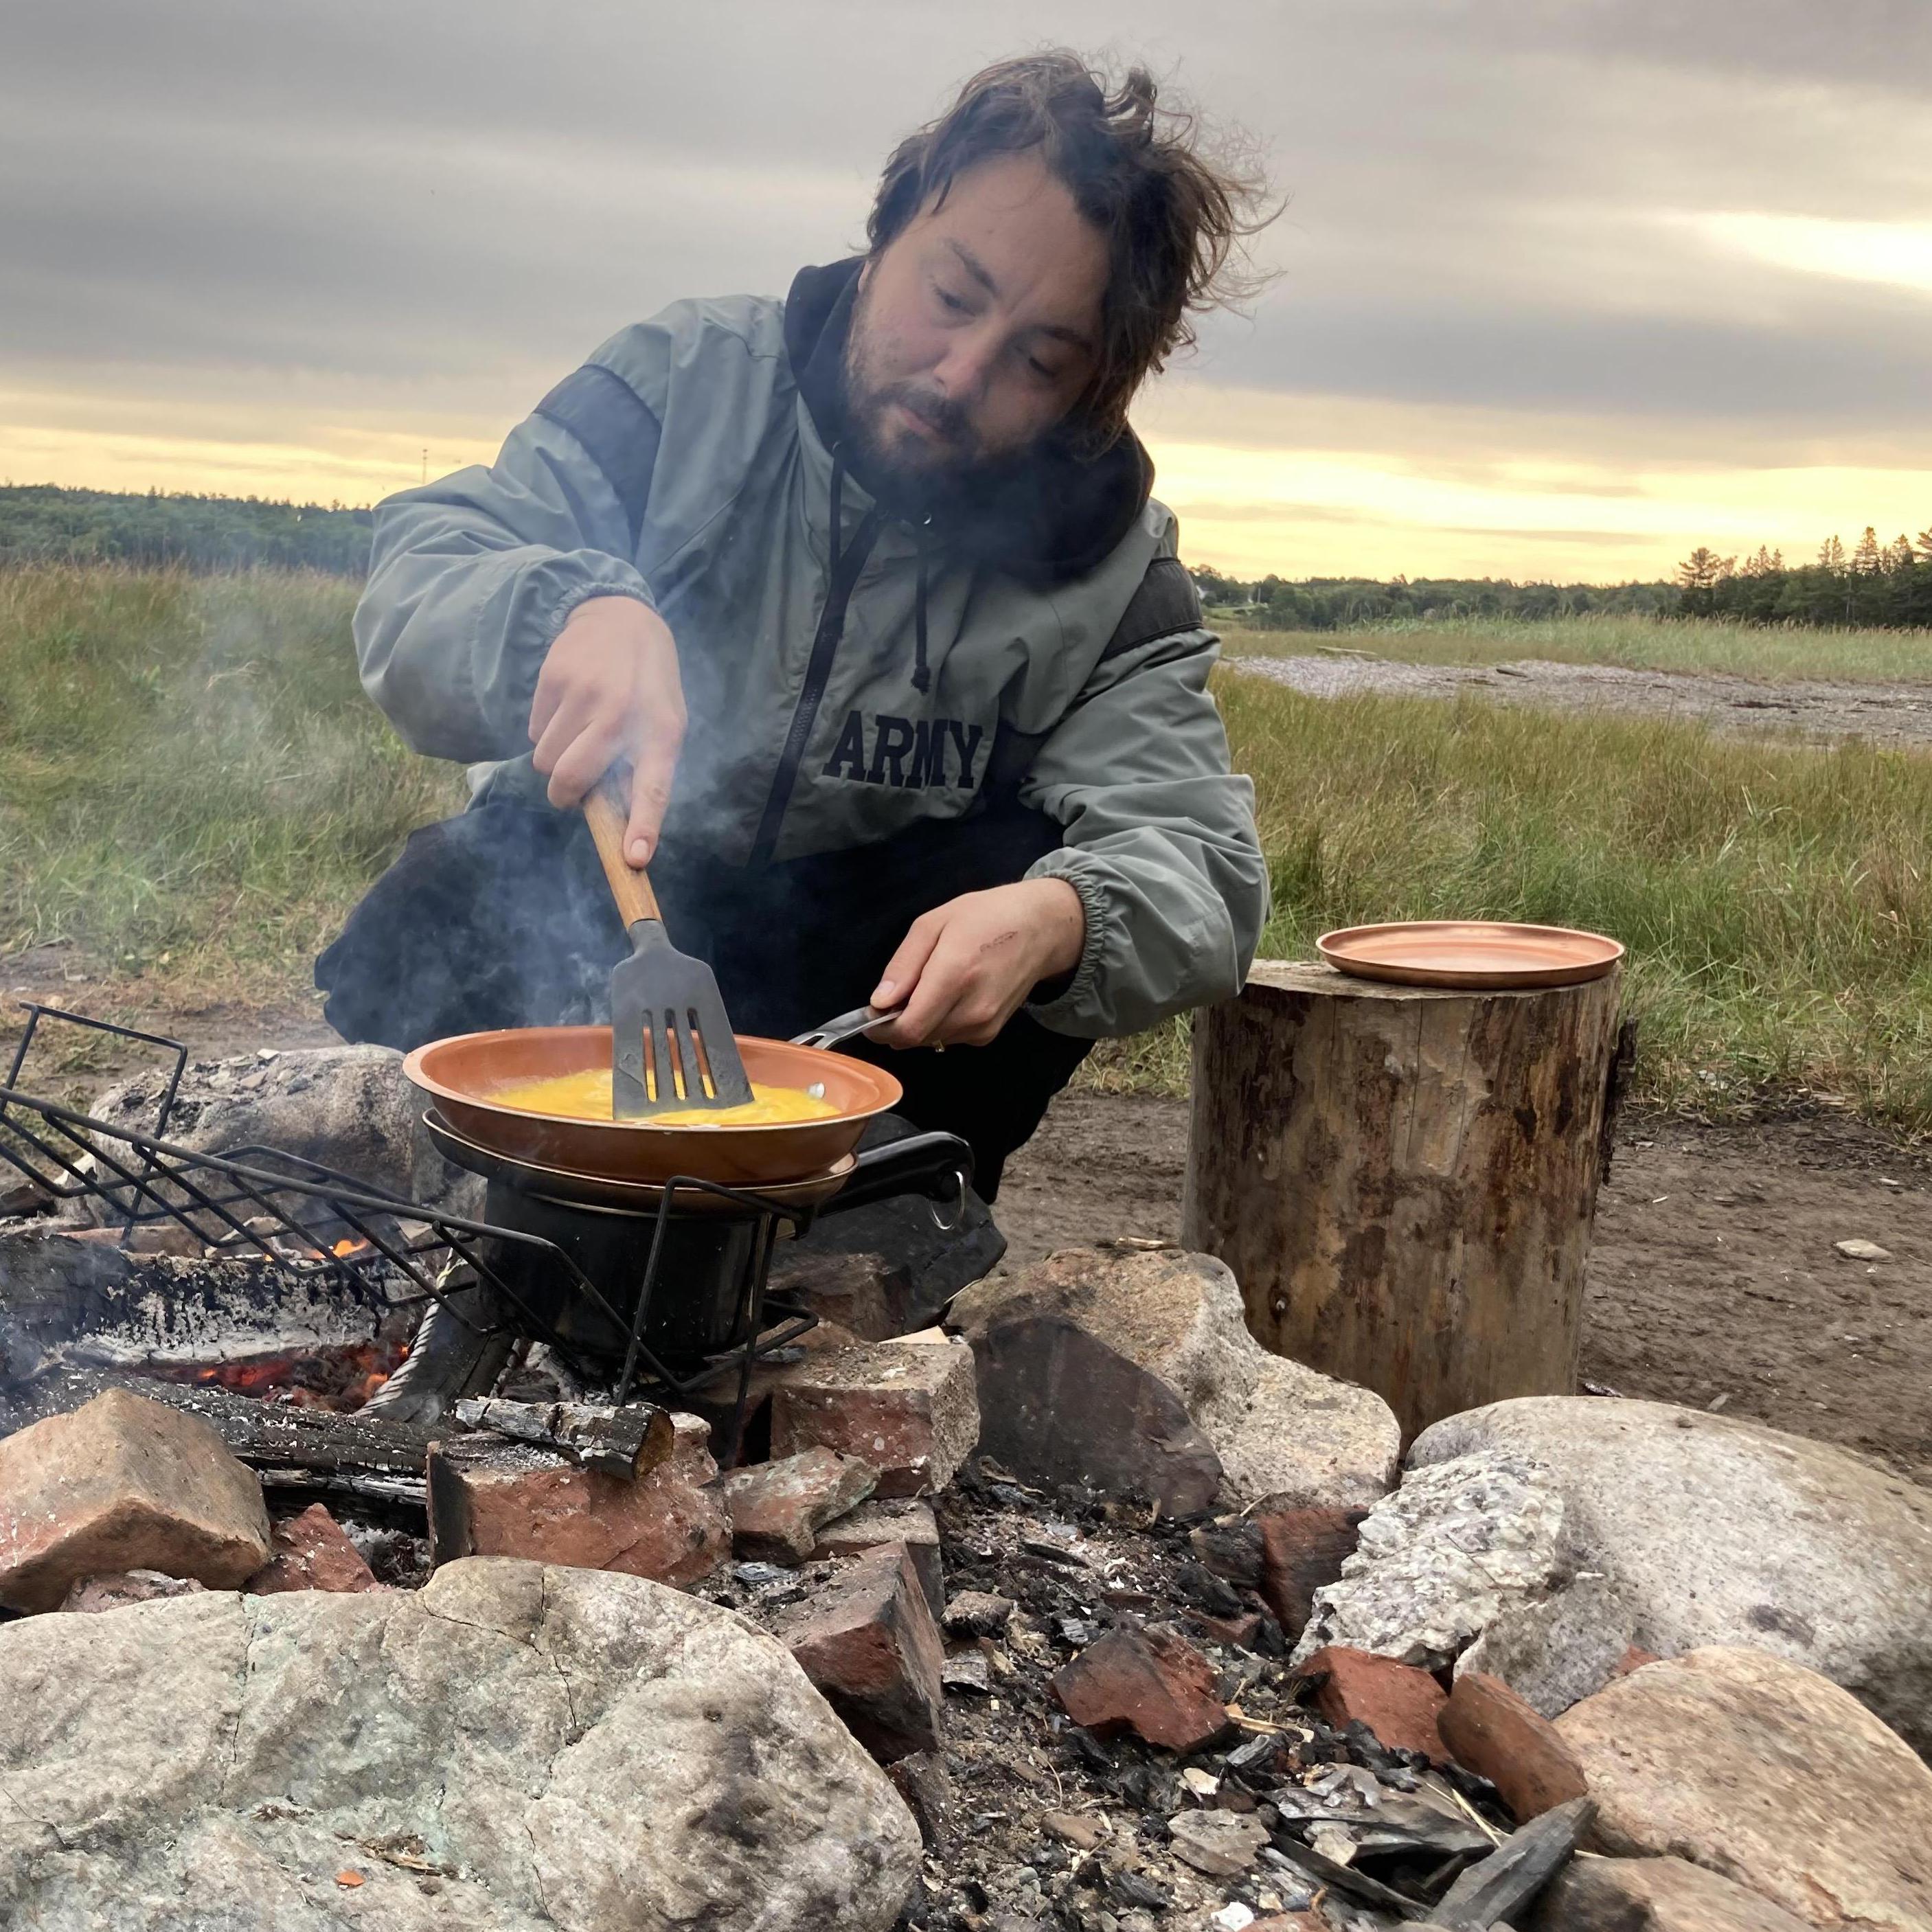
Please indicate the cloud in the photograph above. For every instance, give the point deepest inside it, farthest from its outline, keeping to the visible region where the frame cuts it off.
(1893, 254)
(1606, 239)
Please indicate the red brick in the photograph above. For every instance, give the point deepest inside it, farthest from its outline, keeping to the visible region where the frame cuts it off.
(1634, 1659)
(1302, 1549)
(901, 1519)
(1493, 1732)
(1397, 1702)
(512, 1499)
(868, 1641)
(1239, 1632)
(312, 1552)
(778, 1508)
(910, 1409)
(124, 1484)
(1148, 1681)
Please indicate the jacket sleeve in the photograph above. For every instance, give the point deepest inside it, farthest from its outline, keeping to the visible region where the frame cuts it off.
(1160, 837)
(471, 578)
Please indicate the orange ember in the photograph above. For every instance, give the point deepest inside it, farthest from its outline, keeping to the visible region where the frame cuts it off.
(340, 1379)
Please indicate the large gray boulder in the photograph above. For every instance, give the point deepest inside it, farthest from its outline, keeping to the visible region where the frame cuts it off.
(1556, 1651)
(1721, 1532)
(1113, 1365)
(348, 1107)
(515, 1748)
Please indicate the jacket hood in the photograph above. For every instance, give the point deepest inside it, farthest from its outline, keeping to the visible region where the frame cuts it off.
(1050, 516)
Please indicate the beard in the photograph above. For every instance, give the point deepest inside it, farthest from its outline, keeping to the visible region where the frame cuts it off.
(896, 464)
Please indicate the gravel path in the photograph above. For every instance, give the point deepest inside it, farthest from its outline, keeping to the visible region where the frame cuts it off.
(1897, 714)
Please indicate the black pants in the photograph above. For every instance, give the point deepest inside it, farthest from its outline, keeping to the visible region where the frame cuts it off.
(501, 918)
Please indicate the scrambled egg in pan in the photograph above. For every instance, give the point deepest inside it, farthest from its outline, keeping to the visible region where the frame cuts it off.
(586, 1096)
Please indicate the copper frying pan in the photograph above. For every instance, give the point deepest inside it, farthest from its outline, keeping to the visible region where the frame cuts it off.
(464, 1074)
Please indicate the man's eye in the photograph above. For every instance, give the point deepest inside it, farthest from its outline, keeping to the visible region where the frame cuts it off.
(948, 300)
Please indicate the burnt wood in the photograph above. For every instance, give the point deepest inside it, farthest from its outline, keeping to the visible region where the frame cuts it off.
(1500, 1885)
(66, 1300)
(266, 1436)
(628, 1442)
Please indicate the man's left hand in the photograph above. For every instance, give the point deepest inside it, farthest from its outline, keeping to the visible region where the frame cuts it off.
(965, 967)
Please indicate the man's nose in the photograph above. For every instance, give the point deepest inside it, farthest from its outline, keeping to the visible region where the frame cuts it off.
(971, 355)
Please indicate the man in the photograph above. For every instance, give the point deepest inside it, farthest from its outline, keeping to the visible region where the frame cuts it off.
(864, 597)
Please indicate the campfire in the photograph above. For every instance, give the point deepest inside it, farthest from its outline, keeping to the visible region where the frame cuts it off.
(1086, 1570)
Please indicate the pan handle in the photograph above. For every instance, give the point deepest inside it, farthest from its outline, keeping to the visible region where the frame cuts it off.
(939, 1166)
(606, 810)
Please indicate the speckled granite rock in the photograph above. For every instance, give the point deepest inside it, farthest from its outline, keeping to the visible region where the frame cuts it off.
(1441, 1559)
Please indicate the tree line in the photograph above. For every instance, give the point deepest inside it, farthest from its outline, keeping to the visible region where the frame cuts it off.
(1339, 603)
(41, 522)
(1872, 583)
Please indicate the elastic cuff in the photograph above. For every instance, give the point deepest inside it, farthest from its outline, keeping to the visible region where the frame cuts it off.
(1079, 989)
(582, 593)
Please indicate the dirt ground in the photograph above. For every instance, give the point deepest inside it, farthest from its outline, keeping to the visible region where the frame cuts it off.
(1896, 714)
(1713, 1278)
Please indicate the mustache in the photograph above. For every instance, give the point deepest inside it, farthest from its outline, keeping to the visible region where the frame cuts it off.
(939, 413)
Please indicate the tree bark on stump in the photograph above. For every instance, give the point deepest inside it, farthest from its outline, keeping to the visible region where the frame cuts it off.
(1403, 1178)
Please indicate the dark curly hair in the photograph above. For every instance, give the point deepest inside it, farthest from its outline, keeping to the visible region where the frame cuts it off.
(1174, 216)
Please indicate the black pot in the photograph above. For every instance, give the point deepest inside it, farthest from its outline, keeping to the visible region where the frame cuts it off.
(705, 1270)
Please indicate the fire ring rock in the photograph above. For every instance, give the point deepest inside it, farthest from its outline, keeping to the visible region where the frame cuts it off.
(1137, 1371)
(515, 1748)
(1718, 1531)
(348, 1107)
(1441, 1559)
(124, 1484)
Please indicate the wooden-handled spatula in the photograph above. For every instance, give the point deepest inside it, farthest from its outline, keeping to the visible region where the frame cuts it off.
(671, 1040)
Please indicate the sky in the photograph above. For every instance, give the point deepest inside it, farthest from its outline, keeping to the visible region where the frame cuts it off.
(1561, 289)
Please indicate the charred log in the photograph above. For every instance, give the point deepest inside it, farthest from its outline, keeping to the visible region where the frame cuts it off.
(267, 1435)
(627, 1442)
(86, 1303)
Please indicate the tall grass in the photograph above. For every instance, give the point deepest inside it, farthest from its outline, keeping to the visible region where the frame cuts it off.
(191, 777)
(1640, 643)
(1776, 897)
(193, 787)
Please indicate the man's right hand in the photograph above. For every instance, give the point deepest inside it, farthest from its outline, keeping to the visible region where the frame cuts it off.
(609, 693)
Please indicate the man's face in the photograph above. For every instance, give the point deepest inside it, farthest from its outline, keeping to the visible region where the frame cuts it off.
(976, 326)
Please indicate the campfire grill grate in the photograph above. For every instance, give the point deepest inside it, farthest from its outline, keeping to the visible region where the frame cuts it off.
(294, 1210)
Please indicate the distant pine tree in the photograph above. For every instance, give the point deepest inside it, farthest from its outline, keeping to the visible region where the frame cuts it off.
(41, 521)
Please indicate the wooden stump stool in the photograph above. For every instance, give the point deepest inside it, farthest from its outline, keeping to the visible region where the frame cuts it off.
(1403, 1178)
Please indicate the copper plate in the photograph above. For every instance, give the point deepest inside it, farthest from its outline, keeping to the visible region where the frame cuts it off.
(1474, 954)
(463, 1076)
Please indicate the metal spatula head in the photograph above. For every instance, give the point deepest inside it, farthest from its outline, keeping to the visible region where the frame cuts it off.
(671, 1036)
(671, 1040)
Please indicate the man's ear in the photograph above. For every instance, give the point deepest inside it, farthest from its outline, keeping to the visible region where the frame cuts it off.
(866, 271)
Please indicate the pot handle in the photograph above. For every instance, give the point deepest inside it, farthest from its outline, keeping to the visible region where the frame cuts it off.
(939, 1166)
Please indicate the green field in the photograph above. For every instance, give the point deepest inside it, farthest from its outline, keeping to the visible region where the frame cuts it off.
(193, 789)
